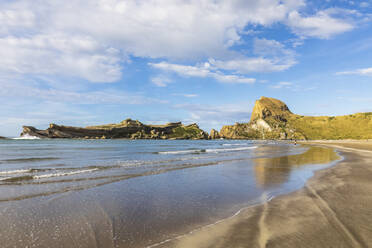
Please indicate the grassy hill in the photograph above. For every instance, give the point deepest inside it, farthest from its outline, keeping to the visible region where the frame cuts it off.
(272, 119)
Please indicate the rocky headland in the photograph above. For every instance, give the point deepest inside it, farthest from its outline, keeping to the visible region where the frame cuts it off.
(130, 129)
(272, 119)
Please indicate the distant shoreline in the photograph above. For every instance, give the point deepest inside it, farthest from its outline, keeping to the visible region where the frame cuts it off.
(333, 209)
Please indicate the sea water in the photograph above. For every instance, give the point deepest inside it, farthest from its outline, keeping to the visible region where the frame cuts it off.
(137, 193)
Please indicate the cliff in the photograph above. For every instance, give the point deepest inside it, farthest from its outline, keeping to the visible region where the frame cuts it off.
(126, 129)
(272, 119)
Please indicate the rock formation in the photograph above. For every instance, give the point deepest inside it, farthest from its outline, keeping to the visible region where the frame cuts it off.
(272, 119)
(1, 137)
(214, 134)
(132, 129)
(267, 107)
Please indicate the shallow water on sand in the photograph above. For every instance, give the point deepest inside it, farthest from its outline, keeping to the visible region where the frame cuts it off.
(123, 193)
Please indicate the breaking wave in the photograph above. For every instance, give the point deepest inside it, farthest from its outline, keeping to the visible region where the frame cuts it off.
(35, 177)
(27, 137)
(14, 172)
(236, 144)
(218, 150)
(60, 174)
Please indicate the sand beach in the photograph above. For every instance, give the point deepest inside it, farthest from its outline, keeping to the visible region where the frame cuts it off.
(334, 209)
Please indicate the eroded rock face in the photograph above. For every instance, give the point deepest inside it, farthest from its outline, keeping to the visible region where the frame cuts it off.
(214, 134)
(270, 107)
(131, 129)
(269, 120)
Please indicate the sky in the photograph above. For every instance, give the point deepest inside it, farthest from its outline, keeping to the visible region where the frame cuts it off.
(88, 62)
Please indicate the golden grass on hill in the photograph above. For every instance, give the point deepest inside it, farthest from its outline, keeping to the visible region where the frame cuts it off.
(356, 126)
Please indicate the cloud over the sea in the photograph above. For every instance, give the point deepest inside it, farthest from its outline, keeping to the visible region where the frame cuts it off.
(360, 72)
(94, 39)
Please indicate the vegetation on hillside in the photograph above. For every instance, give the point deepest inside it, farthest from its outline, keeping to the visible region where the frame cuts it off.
(271, 119)
(356, 126)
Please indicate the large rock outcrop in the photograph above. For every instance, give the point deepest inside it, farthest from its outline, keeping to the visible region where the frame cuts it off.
(267, 107)
(132, 129)
(272, 119)
(269, 120)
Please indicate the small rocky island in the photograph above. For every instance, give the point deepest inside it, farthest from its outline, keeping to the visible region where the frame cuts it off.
(129, 129)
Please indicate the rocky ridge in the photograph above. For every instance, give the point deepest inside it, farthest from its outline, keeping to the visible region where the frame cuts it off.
(130, 129)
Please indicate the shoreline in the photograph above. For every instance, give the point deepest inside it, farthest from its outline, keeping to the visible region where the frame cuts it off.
(320, 214)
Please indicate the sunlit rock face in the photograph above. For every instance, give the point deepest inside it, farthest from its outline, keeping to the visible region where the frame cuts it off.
(267, 107)
(272, 119)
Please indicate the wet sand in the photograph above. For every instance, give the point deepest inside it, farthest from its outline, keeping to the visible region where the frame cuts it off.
(334, 209)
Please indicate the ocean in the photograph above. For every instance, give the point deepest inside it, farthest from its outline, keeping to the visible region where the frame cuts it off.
(139, 193)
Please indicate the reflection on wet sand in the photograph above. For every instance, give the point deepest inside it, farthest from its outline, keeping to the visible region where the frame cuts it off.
(276, 170)
(145, 203)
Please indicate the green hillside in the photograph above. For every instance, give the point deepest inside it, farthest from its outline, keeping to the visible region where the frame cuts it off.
(272, 119)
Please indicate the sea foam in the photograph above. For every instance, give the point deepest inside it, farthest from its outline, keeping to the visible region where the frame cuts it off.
(14, 171)
(27, 137)
(217, 150)
(60, 174)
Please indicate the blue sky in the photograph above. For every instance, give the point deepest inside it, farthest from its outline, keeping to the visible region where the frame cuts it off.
(101, 61)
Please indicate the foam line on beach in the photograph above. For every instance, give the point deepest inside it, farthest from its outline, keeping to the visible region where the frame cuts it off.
(217, 150)
(268, 199)
(27, 176)
(235, 144)
(64, 173)
(15, 171)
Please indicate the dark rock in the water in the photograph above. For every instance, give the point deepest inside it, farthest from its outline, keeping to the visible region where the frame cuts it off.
(131, 129)
(1, 137)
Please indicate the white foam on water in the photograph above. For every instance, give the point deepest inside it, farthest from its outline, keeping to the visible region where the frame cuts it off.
(182, 152)
(27, 137)
(231, 149)
(236, 144)
(14, 172)
(5, 178)
(61, 174)
(218, 150)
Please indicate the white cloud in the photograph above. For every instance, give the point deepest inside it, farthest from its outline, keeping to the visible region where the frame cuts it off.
(203, 71)
(59, 54)
(160, 81)
(281, 85)
(15, 19)
(364, 4)
(91, 39)
(216, 116)
(291, 86)
(108, 96)
(186, 95)
(321, 25)
(361, 72)
(272, 56)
